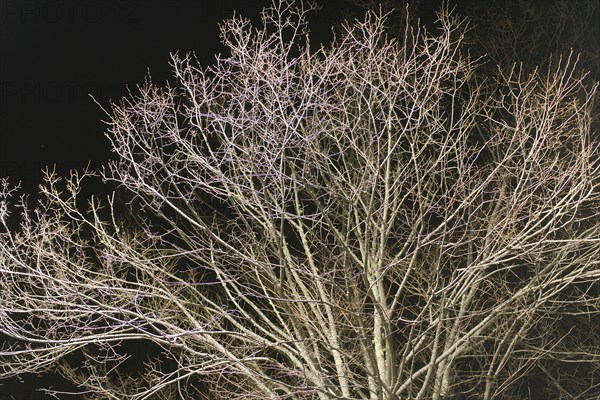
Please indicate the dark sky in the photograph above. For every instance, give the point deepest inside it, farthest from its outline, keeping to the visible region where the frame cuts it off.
(53, 53)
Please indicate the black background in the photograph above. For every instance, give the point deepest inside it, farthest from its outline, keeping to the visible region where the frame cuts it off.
(54, 53)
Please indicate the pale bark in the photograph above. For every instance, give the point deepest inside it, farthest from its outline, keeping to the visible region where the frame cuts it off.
(372, 220)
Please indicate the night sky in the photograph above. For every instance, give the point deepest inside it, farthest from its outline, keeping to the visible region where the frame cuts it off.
(54, 53)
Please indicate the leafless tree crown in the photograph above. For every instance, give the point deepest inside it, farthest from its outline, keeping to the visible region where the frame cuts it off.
(374, 219)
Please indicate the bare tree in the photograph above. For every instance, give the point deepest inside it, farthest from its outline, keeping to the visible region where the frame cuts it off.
(534, 33)
(372, 220)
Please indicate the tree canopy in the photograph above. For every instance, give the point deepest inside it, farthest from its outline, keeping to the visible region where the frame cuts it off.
(384, 217)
